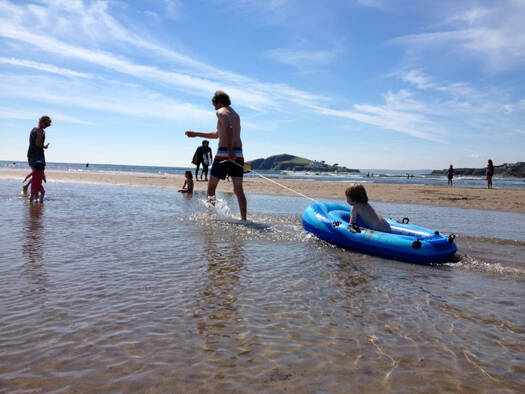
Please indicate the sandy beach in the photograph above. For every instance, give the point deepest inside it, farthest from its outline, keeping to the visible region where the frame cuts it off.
(511, 200)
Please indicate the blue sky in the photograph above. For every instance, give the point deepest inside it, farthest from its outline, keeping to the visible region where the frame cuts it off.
(363, 83)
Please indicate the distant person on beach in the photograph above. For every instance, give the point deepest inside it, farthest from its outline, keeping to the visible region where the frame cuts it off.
(229, 159)
(450, 174)
(202, 156)
(490, 174)
(35, 152)
(37, 176)
(188, 183)
(369, 217)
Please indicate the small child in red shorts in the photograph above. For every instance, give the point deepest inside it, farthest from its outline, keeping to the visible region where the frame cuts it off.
(38, 176)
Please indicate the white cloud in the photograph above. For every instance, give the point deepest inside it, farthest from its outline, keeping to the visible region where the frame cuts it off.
(496, 36)
(26, 114)
(372, 3)
(106, 97)
(44, 67)
(303, 59)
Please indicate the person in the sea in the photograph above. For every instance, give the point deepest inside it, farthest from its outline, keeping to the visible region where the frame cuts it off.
(35, 152)
(229, 159)
(203, 155)
(188, 183)
(490, 173)
(357, 198)
(37, 176)
(450, 175)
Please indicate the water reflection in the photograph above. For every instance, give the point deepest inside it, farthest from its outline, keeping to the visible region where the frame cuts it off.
(218, 298)
(33, 248)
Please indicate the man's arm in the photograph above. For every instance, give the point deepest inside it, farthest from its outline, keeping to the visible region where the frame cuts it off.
(192, 134)
(39, 138)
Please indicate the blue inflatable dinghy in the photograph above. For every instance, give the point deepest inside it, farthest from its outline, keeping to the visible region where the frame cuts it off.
(329, 221)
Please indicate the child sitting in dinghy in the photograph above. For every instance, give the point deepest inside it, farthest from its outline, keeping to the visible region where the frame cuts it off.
(370, 218)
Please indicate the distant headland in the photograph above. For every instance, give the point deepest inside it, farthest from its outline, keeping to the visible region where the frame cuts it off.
(505, 169)
(294, 163)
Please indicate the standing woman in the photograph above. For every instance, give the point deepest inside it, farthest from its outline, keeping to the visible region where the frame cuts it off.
(490, 173)
(37, 138)
(450, 174)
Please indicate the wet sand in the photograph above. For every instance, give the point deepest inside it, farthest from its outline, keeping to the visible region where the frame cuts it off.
(511, 200)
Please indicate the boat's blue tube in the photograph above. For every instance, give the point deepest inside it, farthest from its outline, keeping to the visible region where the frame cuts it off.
(406, 241)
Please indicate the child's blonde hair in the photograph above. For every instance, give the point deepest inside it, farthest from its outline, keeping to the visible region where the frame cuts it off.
(188, 175)
(357, 193)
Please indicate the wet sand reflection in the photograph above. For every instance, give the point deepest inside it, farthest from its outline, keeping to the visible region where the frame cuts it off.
(33, 248)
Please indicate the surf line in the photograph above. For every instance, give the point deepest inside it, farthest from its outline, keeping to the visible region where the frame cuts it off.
(271, 180)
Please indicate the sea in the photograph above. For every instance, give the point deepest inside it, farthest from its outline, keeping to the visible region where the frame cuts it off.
(415, 177)
(130, 289)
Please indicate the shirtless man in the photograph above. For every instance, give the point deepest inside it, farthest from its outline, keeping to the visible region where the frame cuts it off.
(229, 159)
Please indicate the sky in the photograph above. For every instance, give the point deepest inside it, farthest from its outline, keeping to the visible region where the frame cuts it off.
(393, 84)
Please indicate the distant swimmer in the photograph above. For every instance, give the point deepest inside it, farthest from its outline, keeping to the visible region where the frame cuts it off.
(229, 159)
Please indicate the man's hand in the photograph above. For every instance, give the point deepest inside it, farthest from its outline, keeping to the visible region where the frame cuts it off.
(46, 145)
(190, 133)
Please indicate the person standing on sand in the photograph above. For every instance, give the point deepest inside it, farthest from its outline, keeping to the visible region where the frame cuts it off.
(203, 155)
(490, 173)
(450, 175)
(35, 152)
(229, 159)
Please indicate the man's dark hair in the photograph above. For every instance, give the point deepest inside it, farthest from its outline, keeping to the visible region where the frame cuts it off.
(221, 97)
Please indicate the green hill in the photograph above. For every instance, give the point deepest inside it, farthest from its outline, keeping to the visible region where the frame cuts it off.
(295, 163)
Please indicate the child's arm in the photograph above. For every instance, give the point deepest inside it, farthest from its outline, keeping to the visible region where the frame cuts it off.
(353, 215)
(44, 178)
(27, 177)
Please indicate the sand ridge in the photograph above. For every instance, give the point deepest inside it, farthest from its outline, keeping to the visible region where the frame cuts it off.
(512, 200)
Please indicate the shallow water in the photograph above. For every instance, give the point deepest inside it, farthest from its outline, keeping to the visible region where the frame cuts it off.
(131, 289)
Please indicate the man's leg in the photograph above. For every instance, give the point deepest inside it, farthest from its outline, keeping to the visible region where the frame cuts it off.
(212, 185)
(197, 172)
(239, 192)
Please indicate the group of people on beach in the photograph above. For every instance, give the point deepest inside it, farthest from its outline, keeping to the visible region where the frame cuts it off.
(228, 162)
(489, 173)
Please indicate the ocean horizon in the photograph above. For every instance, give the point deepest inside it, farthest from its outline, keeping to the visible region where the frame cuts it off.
(366, 175)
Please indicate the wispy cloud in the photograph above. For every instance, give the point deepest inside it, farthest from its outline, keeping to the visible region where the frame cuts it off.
(496, 35)
(400, 113)
(12, 112)
(111, 97)
(44, 67)
(302, 59)
(372, 3)
(98, 41)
